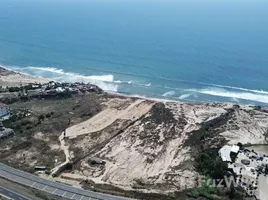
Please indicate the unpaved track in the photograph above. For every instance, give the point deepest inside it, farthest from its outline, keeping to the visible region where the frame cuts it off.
(65, 149)
(107, 117)
(100, 121)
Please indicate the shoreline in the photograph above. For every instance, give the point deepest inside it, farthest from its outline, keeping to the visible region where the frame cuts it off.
(12, 78)
(27, 79)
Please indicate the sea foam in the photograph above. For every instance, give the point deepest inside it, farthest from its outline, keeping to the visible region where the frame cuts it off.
(170, 93)
(106, 82)
(257, 96)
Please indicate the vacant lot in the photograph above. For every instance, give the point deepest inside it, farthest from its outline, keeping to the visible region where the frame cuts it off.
(38, 124)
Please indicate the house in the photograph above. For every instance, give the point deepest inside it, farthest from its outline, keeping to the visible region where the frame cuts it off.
(235, 149)
(226, 151)
(3, 110)
(5, 132)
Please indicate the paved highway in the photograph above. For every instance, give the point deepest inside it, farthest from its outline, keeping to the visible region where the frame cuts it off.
(52, 187)
(12, 194)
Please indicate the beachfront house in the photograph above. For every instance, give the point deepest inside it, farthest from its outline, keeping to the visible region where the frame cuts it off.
(4, 112)
(226, 151)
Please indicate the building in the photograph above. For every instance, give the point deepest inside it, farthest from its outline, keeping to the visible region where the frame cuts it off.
(226, 151)
(3, 110)
(5, 132)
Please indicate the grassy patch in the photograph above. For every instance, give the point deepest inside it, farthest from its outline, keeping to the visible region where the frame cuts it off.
(161, 114)
(208, 130)
(48, 116)
(109, 189)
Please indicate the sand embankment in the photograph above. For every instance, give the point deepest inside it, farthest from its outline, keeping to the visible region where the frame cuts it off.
(13, 79)
(150, 152)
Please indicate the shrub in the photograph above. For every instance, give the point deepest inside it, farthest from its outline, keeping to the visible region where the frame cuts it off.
(14, 89)
(29, 127)
(209, 163)
(41, 117)
(195, 194)
(266, 169)
(257, 107)
(25, 122)
(18, 126)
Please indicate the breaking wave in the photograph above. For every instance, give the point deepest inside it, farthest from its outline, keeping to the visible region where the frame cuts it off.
(152, 98)
(239, 88)
(109, 83)
(184, 96)
(182, 81)
(250, 96)
(106, 82)
(170, 93)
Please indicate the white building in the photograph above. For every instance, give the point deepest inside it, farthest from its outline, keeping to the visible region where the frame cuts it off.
(225, 152)
(3, 110)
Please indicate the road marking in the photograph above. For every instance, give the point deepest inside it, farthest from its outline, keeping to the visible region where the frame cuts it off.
(31, 180)
(63, 194)
(6, 197)
(44, 188)
(54, 191)
(33, 184)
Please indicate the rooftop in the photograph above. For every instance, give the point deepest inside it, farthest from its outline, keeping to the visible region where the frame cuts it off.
(2, 105)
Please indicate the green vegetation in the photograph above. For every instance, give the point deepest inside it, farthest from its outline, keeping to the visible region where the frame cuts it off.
(210, 164)
(204, 191)
(161, 114)
(104, 188)
(41, 117)
(14, 89)
(205, 143)
(41, 121)
(209, 131)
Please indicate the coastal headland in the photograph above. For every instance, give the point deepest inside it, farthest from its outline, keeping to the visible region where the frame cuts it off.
(129, 146)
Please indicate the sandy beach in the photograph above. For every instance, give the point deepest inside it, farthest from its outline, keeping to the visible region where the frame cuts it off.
(14, 79)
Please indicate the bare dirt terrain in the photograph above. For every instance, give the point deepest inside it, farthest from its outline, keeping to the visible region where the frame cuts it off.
(153, 152)
(147, 146)
(141, 146)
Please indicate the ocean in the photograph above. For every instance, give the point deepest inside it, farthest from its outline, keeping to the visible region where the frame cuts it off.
(193, 51)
